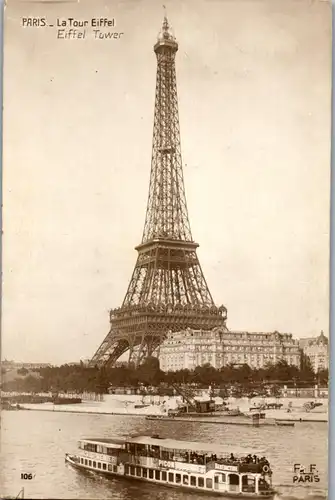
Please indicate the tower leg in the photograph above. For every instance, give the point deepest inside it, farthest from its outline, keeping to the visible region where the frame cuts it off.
(140, 352)
(131, 350)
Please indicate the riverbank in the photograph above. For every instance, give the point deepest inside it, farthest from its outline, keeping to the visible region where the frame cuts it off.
(206, 420)
(156, 413)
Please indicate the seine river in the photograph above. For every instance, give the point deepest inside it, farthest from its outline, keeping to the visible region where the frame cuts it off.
(35, 442)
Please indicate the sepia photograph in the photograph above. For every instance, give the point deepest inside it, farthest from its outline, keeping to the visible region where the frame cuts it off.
(165, 249)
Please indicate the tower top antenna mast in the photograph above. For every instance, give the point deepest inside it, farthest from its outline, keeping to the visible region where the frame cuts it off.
(166, 36)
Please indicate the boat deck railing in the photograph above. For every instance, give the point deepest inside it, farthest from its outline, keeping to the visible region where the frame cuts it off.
(239, 466)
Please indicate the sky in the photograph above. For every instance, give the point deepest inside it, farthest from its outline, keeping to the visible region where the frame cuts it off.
(254, 83)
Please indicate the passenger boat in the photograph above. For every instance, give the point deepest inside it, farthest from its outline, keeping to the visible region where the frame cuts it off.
(205, 467)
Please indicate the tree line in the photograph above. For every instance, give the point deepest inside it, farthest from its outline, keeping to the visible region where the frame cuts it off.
(80, 378)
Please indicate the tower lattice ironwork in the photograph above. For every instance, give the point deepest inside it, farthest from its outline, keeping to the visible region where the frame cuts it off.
(167, 291)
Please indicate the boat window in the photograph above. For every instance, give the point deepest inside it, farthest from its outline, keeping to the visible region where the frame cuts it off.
(152, 451)
(138, 471)
(114, 468)
(89, 447)
(111, 451)
(90, 463)
(178, 478)
(131, 448)
(110, 468)
(234, 479)
(185, 479)
(132, 470)
(171, 477)
(85, 461)
(167, 455)
(164, 475)
(249, 484)
(193, 481)
(104, 466)
(140, 450)
(145, 472)
(151, 474)
(209, 482)
(94, 464)
(157, 475)
(99, 465)
(201, 483)
(181, 456)
(81, 460)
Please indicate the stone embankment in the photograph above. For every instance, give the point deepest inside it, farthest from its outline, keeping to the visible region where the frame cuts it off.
(131, 405)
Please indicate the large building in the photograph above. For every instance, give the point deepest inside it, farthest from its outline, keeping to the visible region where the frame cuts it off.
(317, 350)
(220, 347)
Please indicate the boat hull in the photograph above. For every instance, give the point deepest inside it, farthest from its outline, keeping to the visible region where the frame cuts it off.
(70, 460)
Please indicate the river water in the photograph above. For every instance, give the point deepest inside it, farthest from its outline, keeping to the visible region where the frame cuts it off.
(35, 442)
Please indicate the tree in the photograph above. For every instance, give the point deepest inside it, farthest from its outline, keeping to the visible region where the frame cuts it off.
(22, 371)
(149, 372)
(206, 375)
(323, 376)
(306, 369)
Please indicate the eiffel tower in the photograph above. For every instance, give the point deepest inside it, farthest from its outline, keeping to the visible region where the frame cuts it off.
(167, 291)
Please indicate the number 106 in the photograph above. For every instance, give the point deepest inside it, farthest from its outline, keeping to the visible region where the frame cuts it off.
(25, 475)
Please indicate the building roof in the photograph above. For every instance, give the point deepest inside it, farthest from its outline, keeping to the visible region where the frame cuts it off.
(174, 444)
(321, 339)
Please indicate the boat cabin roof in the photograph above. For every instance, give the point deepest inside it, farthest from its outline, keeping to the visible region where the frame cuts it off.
(116, 442)
(175, 444)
